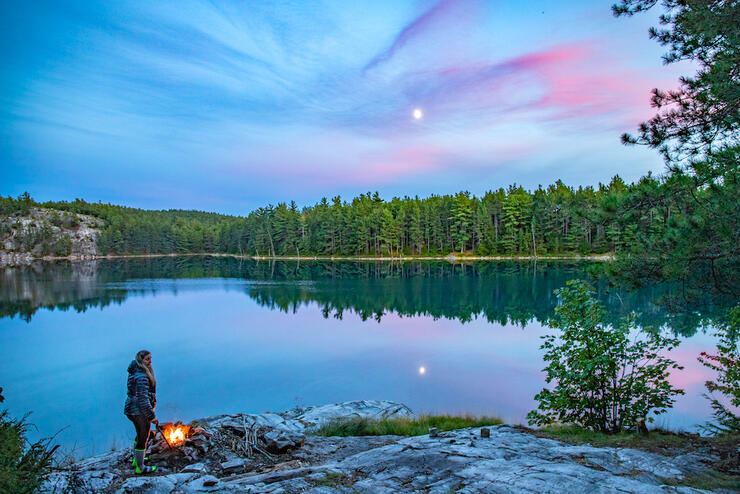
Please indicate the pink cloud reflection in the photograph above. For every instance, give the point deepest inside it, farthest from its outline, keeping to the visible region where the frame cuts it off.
(694, 374)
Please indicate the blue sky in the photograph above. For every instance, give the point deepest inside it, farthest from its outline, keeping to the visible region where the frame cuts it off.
(228, 106)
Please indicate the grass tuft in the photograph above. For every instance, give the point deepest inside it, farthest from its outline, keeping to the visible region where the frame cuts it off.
(721, 474)
(332, 479)
(709, 480)
(401, 426)
(658, 439)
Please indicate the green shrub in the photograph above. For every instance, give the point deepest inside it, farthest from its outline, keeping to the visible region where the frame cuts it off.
(727, 365)
(71, 220)
(55, 218)
(63, 246)
(23, 466)
(46, 248)
(606, 379)
(24, 203)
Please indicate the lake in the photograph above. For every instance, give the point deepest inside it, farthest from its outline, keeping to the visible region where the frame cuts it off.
(230, 335)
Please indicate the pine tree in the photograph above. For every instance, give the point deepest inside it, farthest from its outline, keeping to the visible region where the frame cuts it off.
(461, 220)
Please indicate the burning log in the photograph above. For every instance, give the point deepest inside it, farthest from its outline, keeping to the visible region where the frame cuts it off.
(176, 433)
(179, 444)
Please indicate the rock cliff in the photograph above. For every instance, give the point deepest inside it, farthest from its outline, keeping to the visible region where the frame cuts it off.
(47, 233)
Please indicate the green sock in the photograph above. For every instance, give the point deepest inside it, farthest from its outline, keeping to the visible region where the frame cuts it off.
(133, 461)
(139, 458)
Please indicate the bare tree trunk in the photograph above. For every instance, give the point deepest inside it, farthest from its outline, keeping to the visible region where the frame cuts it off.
(272, 246)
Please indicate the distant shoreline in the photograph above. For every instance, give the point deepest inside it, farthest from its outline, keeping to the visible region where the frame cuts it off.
(23, 259)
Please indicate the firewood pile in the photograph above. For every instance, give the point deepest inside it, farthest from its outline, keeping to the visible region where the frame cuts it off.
(255, 447)
(252, 441)
(194, 446)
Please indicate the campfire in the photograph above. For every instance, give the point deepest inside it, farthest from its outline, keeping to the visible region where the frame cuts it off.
(231, 440)
(179, 444)
(176, 433)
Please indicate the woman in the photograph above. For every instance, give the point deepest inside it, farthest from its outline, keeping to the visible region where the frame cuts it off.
(140, 403)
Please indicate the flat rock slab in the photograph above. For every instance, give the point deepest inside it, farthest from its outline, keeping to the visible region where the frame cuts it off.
(509, 461)
(302, 420)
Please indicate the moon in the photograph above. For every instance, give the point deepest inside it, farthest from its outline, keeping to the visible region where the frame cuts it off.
(418, 113)
(422, 370)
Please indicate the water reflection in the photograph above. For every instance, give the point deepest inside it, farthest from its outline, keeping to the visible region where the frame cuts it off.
(502, 292)
(240, 336)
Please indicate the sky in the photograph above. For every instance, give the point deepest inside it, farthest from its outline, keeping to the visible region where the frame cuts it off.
(230, 106)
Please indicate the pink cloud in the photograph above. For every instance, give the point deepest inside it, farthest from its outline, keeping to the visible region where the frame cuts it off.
(395, 162)
(566, 82)
(323, 163)
(583, 83)
(564, 53)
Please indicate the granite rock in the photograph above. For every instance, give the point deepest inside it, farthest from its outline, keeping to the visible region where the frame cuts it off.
(509, 461)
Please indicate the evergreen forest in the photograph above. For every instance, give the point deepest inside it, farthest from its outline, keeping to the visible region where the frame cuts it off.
(555, 220)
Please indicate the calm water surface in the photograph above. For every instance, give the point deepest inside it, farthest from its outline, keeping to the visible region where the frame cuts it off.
(241, 336)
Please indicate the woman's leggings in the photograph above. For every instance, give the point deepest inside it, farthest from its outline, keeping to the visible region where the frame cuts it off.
(142, 425)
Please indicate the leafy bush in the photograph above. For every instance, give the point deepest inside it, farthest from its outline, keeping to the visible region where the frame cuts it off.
(55, 218)
(23, 204)
(63, 246)
(23, 466)
(727, 364)
(606, 379)
(71, 220)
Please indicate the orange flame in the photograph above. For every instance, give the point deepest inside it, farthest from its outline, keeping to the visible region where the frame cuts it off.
(176, 433)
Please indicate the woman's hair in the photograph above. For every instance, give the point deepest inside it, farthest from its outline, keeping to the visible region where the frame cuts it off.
(146, 368)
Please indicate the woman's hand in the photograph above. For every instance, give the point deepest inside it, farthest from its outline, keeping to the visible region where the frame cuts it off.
(155, 421)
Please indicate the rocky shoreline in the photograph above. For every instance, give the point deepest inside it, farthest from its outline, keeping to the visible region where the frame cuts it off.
(11, 259)
(276, 453)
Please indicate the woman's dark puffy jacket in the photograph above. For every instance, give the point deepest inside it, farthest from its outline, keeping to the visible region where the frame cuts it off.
(141, 397)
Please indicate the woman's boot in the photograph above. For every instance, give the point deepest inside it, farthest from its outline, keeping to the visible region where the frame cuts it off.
(139, 459)
(133, 460)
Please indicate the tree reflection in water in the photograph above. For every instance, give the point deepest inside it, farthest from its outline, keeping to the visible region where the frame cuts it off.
(499, 291)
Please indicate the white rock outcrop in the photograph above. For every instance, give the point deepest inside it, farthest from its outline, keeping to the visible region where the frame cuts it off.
(47, 233)
(509, 461)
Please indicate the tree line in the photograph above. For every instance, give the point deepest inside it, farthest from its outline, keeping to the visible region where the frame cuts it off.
(512, 221)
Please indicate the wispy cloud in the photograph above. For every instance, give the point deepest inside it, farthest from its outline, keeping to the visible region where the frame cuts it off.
(303, 92)
(424, 24)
